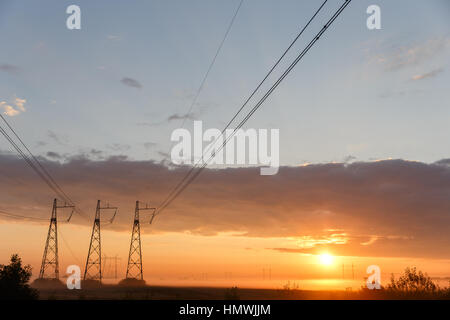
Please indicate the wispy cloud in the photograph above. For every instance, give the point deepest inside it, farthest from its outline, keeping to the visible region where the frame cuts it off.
(59, 139)
(130, 82)
(9, 68)
(96, 153)
(399, 93)
(186, 116)
(41, 143)
(20, 104)
(15, 108)
(53, 155)
(355, 245)
(370, 241)
(119, 147)
(163, 154)
(146, 124)
(8, 110)
(170, 118)
(394, 57)
(149, 145)
(113, 37)
(430, 74)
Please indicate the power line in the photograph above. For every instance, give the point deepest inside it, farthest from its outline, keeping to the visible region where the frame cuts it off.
(39, 169)
(18, 216)
(37, 161)
(213, 61)
(29, 162)
(194, 101)
(180, 188)
(248, 99)
(261, 101)
(70, 249)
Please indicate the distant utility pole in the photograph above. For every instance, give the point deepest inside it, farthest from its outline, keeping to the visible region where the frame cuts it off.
(134, 266)
(353, 272)
(93, 269)
(269, 273)
(50, 258)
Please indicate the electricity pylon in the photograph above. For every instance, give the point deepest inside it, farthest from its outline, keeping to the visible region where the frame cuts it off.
(93, 269)
(50, 257)
(134, 266)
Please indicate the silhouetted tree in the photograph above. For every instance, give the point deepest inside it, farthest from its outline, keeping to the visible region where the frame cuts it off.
(413, 281)
(14, 281)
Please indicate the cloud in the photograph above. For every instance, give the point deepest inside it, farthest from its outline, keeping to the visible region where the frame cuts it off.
(176, 116)
(15, 108)
(146, 124)
(53, 155)
(170, 118)
(41, 143)
(395, 57)
(9, 68)
(8, 110)
(149, 145)
(59, 139)
(341, 207)
(349, 158)
(163, 154)
(96, 153)
(443, 162)
(399, 93)
(370, 241)
(353, 247)
(20, 103)
(119, 147)
(131, 82)
(113, 37)
(430, 74)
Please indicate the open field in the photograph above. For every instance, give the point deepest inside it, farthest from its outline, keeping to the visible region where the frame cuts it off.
(113, 292)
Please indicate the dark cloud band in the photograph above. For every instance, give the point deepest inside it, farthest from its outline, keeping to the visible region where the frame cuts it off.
(403, 205)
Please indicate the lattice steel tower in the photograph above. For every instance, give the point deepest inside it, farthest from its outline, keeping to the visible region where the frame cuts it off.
(50, 257)
(93, 269)
(134, 266)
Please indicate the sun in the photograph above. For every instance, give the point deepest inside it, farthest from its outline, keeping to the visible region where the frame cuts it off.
(326, 259)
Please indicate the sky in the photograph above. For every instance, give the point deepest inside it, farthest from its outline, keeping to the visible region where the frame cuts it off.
(363, 122)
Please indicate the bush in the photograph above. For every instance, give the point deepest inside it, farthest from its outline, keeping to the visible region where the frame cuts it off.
(413, 281)
(14, 281)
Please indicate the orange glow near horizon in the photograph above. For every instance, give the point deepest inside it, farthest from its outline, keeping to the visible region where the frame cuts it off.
(223, 260)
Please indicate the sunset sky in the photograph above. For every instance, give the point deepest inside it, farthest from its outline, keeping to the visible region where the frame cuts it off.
(363, 122)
